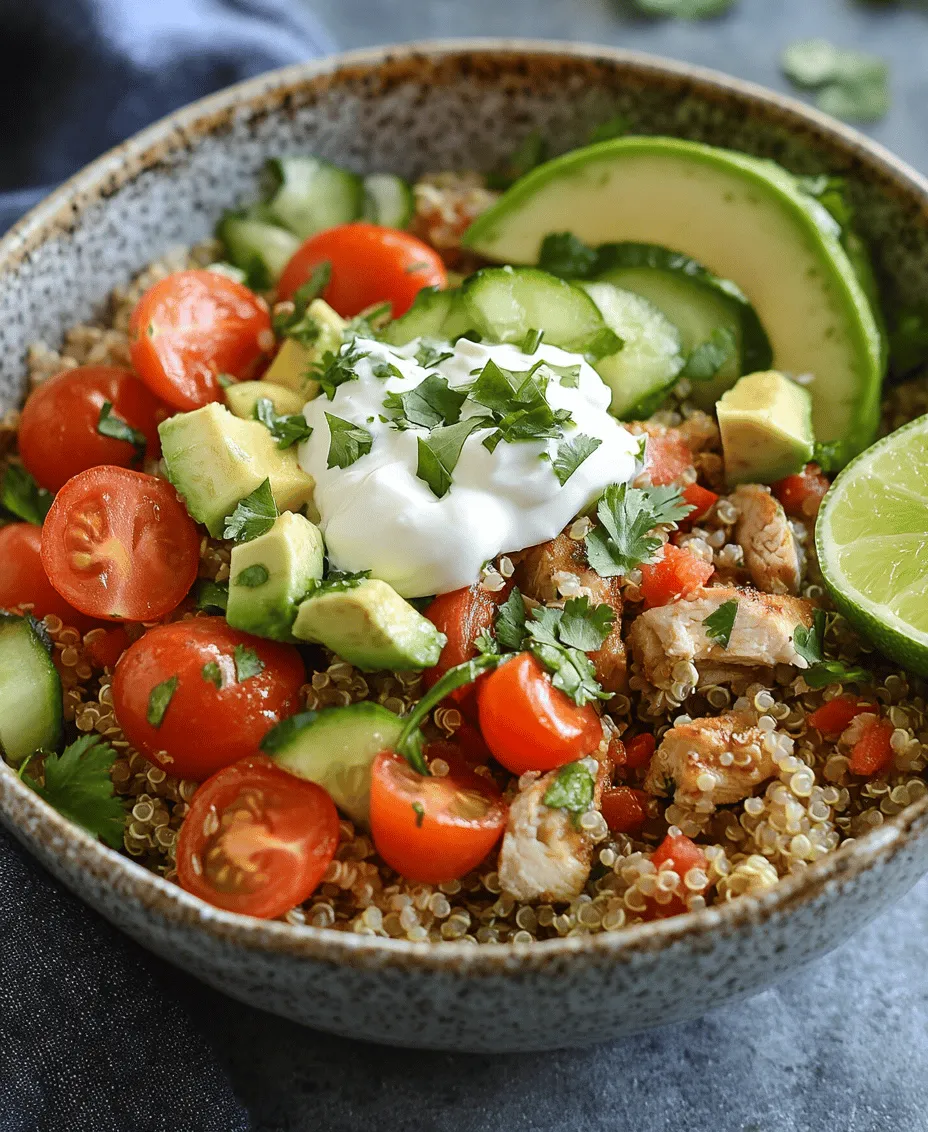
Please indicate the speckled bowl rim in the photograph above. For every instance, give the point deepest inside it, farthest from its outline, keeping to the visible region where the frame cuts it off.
(154, 146)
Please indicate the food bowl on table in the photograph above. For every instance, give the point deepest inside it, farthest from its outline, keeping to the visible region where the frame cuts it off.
(411, 111)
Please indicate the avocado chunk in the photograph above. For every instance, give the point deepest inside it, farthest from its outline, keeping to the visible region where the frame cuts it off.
(292, 367)
(215, 459)
(766, 426)
(369, 625)
(269, 577)
(335, 748)
(746, 221)
(244, 395)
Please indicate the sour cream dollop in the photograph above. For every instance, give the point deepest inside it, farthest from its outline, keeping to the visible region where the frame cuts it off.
(377, 515)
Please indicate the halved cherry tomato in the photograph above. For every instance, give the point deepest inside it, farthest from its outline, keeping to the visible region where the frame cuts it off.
(832, 717)
(120, 545)
(638, 751)
(104, 647)
(701, 499)
(684, 855)
(666, 458)
(462, 616)
(433, 829)
(625, 809)
(369, 264)
(59, 433)
(529, 724)
(802, 494)
(195, 696)
(676, 574)
(23, 579)
(192, 326)
(256, 840)
(873, 752)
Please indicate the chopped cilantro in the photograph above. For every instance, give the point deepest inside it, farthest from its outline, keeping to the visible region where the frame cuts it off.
(212, 595)
(835, 672)
(850, 84)
(253, 576)
(348, 442)
(627, 516)
(430, 404)
(336, 581)
(77, 783)
(584, 627)
(603, 344)
(708, 357)
(720, 623)
(827, 454)
(159, 700)
(510, 621)
(564, 255)
(253, 516)
(21, 496)
(486, 644)
(569, 375)
(440, 452)
(117, 429)
(532, 151)
(419, 810)
(615, 127)
(571, 454)
(287, 430)
(212, 673)
(335, 369)
(810, 643)
(299, 323)
(516, 398)
(386, 370)
(369, 321)
(428, 355)
(551, 642)
(247, 663)
(573, 789)
(531, 341)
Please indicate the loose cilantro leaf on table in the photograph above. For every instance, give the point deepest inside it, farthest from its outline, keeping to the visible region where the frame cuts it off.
(78, 785)
(573, 789)
(626, 517)
(22, 497)
(809, 643)
(440, 452)
(430, 404)
(159, 700)
(850, 84)
(348, 442)
(117, 429)
(212, 595)
(335, 369)
(571, 454)
(247, 663)
(288, 429)
(253, 516)
(708, 357)
(563, 254)
(720, 623)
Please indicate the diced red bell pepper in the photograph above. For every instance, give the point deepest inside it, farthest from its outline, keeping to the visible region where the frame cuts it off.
(625, 809)
(638, 751)
(676, 574)
(802, 494)
(873, 752)
(701, 499)
(686, 855)
(832, 718)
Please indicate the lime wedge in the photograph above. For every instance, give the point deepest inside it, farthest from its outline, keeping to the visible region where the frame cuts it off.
(872, 542)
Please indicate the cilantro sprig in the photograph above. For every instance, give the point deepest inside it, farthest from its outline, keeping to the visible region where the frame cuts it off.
(720, 623)
(849, 84)
(22, 497)
(113, 426)
(287, 429)
(77, 784)
(571, 454)
(253, 516)
(809, 643)
(572, 790)
(337, 368)
(298, 323)
(627, 516)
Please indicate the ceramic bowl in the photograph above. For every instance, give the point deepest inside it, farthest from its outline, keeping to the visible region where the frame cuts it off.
(428, 107)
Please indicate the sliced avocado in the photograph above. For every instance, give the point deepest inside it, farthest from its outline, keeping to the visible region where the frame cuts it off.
(292, 367)
(370, 626)
(744, 220)
(215, 459)
(766, 426)
(335, 748)
(269, 577)
(242, 397)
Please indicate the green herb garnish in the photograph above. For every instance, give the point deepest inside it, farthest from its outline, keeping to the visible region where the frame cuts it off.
(571, 454)
(429, 404)
(212, 595)
(708, 357)
(212, 674)
(117, 429)
(348, 442)
(573, 789)
(810, 643)
(419, 810)
(247, 663)
(626, 517)
(77, 783)
(336, 581)
(253, 576)
(159, 700)
(563, 254)
(510, 621)
(428, 355)
(440, 451)
(288, 429)
(835, 672)
(337, 368)
(253, 516)
(720, 623)
(22, 497)
(531, 341)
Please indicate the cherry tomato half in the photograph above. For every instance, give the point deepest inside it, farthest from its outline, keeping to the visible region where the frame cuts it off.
(59, 431)
(529, 724)
(192, 326)
(195, 696)
(369, 264)
(257, 840)
(119, 544)
(433, 829)
(23, 579)
(462, 616)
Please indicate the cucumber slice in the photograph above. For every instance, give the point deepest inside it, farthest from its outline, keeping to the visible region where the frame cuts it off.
(642, 373)
(388, 200)
(30, 689)
(335, 748)
(433, 314)
(308, 194)
(259, 248)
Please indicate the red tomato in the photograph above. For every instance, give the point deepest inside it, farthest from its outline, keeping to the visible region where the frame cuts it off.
(462, 616)
(120, 545)
(701, 499)
(257, 840)
(104, 647)
(229, 690)
(370, 265)
(193, 326)
(802, 494)
(433, 829)
(529, 724)
(684, 855)
(23, 579)
(666, 458)
(625, 809)
(638, 751)
(873, 752)
(832, 718)
(58, 431)
(676, 574)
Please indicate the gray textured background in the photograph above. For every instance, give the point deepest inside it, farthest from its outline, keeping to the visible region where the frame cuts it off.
(841, 1047)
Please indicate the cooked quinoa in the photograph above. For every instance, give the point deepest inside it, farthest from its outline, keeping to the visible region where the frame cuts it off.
(810, 806)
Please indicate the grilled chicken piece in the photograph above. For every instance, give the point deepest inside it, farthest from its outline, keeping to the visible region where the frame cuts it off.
(764, 534)
(537, 573)
(694, 756)
(544, 855)
(666, 639)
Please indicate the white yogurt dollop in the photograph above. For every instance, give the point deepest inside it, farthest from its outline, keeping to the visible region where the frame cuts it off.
(377, 515)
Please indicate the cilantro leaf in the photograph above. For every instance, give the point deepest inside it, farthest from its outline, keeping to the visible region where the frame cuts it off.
(440, 452)
(720, 623)
(159, 700)
(287, 430)
(571, 454)
(835, 672)
(299, 323)
(810, 643)
(212, 673)
(583, 626)
(335, 369)
(486, 644)
(253, 516)
(602, 345)
(510, 621)
(337, 581)
(569, 375)
(78, 785)
(428, 355)
(850, 84)
(516, 398)
(532, 151)
(386, 370)
(571, 669)
(827, 454)
(531, 341)
(573, 789)
(564, 255)
(247, 663)
(212, 595)
(430, 404)
(615, 127)
(21, 496)
(117, 429)
(348, 442)
(626, 515)
(253, 576)
(708, 357)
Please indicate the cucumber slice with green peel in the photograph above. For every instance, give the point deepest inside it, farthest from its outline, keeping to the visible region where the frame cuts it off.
(259, 248)
(388, 200)
(335, 748)
(442, 315)
(308, 194)
(644, 371)
(744, 220)
(30, 690)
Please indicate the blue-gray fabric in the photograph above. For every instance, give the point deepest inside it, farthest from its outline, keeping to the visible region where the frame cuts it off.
(92, 1039)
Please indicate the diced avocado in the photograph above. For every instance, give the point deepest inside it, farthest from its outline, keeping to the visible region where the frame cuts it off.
(766, 426)
(269, 577)
(215, 459)
(242, 397)
(370, 626)
(292, 367)
(335, 748)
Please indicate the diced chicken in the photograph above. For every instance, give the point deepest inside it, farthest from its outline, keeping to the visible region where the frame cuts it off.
(672, 645)
(771, 553)
(537, 574)
(545, 854)
(720, 760)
